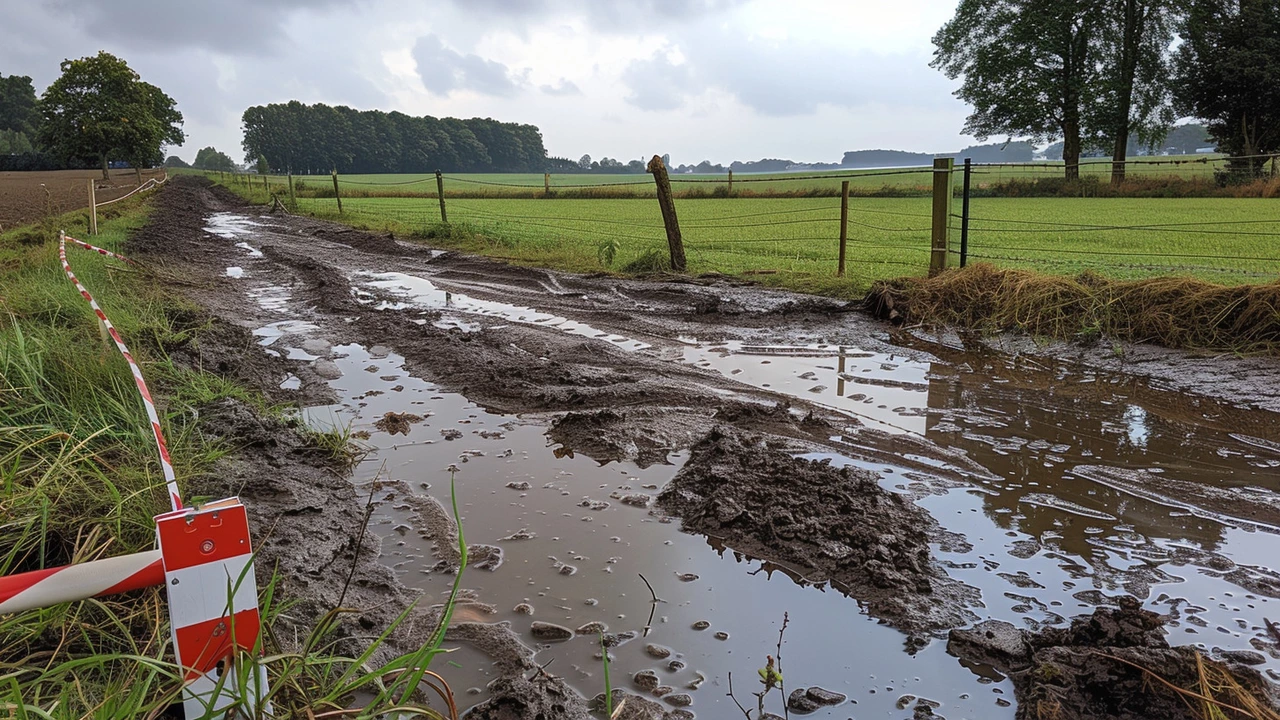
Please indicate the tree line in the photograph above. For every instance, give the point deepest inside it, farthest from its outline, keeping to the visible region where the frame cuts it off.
(98, 110)
(318, 138)
(1093, 73)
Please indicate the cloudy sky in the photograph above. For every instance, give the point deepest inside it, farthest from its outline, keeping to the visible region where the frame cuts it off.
(700, 79)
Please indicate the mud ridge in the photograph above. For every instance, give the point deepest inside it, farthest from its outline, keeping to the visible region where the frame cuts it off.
(1103, 666)
(838, 523)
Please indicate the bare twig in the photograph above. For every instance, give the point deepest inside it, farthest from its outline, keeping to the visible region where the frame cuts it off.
(782, 683)
(734, 698)
(652, 607)
(364, 525)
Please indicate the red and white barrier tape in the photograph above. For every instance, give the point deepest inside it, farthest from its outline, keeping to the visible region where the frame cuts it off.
(175, 498)
(43, 588)
(100, 251)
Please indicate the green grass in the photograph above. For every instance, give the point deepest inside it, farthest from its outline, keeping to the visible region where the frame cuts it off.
(79, 480)
(794, 242)
(883, 182)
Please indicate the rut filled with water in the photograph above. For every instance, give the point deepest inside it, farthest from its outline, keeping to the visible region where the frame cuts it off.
(1079, 486)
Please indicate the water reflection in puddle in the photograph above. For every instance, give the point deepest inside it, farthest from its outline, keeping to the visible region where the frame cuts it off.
(1081, 503)
(509, 480)
(421, 293)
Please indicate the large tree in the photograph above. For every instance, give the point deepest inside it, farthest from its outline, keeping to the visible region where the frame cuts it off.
(1228, 74)
(1030, 69)
(18, 116)
(99, 108)
(210, 158)
(1135, 51)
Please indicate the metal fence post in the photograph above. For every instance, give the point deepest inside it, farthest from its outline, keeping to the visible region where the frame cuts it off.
(844, 229)
(964, 214)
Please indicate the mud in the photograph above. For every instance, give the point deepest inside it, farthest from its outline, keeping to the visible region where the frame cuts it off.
(1103, 666)
(563, 404)
(826, 523)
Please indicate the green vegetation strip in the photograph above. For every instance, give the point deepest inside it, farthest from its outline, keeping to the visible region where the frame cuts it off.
(79, 480)
(793, 242)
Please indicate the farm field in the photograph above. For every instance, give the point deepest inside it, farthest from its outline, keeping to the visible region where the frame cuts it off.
(794, 242)
(28, 196)
(641, 185)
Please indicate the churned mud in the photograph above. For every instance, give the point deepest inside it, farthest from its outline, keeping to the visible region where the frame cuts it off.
(830, 524)
(1114, 663)
(674, 465)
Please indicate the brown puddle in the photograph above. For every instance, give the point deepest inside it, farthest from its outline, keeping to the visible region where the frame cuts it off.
(1097, 485)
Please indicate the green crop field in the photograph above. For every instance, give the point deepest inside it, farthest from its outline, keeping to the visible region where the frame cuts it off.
(799, 183)
(794, 242)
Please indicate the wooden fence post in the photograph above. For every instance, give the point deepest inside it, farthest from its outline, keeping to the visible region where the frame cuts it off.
(730, 182)
(939, 255)
(844, 228)
(293, 198)
(546, 184)
(336, 193)
(444, 216)
(674, 242)
(93, 208)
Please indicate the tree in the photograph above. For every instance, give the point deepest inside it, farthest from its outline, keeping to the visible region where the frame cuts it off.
(263, 167)
(585, 162)
(210, 159)
(18, 116)
(173, 161)
(99, 107)
(1029, 66)
(1228, 74)
(1136, 46)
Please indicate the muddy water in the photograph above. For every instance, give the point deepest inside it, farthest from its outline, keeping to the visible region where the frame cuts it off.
(1068, 515)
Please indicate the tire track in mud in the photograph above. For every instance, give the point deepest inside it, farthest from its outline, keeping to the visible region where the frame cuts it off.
(602, 400)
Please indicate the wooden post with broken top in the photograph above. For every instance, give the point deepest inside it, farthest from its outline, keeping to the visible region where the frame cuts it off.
(674, 242)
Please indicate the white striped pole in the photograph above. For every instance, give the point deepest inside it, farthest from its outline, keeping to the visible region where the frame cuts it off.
(42, 588)
(166, 467)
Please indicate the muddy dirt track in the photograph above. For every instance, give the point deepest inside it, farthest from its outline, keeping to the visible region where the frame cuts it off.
(750, 452)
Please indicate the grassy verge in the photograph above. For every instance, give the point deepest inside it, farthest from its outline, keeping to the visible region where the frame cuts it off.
(79, 480)
(1174, 312)
(1183, 272)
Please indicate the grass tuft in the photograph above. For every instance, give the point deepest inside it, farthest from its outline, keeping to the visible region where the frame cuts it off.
(1177, 312)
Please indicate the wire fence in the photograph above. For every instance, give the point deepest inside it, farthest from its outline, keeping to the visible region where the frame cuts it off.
(1224, 239)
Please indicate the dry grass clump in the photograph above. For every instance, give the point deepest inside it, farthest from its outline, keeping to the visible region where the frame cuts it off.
(1177, 312)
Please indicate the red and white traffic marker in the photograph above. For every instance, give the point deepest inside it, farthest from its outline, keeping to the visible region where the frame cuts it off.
(213, 604)
(204, 560)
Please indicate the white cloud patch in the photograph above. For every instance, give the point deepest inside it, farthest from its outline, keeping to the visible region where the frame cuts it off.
(561, 87)
(444, 70)
(658, 83)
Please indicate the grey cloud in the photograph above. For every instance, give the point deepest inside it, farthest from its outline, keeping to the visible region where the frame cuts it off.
(563, 86)
(657, 83)
(787, 78)
(444, 70)
(249, 27)
(629, 15)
